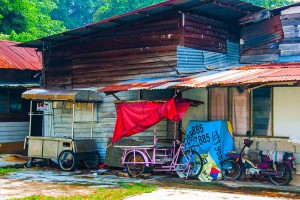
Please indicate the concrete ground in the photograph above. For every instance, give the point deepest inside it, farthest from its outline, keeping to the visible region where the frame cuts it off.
(50, 181)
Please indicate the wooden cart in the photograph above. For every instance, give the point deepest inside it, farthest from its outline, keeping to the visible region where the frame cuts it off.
(67, 150)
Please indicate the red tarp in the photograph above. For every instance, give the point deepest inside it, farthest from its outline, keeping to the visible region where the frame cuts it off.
(135, 117)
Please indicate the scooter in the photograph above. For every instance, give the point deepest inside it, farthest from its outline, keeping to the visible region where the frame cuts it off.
(278, 173)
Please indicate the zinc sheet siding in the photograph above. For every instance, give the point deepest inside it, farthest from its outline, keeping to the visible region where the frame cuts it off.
(13, 131)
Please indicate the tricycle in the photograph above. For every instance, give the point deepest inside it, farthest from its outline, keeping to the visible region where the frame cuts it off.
(139, 159)
(159, 156)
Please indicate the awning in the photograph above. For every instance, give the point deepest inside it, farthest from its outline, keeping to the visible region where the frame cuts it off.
(63, 95)
(270, 73)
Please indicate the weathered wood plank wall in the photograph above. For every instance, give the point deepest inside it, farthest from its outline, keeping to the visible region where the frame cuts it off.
(142, 49)
(104, 123)
(260, 41)
(204, 33)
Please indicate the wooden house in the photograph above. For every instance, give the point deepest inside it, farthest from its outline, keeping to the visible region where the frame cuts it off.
(203, 50)
(20, 69)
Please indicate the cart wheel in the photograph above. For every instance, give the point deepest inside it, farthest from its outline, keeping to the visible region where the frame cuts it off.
(93, 162)
(67, 160)
(135, 169)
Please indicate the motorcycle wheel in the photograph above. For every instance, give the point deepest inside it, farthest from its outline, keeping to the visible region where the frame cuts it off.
(231, 170)
(284, 177)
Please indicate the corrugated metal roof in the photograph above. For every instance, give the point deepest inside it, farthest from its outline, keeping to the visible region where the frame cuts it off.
(228, 10)
(250, 74)
(13, 57)
(66, 95)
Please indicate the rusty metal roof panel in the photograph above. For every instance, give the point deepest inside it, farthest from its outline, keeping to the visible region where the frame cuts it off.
(253, 74)
(13, 57)
(63, 95)
(140, 84)
(250, 74)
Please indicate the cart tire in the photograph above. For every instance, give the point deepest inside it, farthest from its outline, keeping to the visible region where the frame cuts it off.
(94, 162)
(135, 170)
(67, 160)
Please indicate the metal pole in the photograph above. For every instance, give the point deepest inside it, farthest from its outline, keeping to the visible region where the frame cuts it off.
(92, 120)
(30, 117)
(73, 120)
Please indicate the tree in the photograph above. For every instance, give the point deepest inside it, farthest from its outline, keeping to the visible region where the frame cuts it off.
(75, 13)
(271, 4)
(109, 8)
(25, 20)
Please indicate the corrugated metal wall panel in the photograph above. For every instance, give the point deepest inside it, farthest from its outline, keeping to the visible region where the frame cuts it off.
(289, 59)
(189, 60)
(233, 52)
(13, 131)
(194, 60)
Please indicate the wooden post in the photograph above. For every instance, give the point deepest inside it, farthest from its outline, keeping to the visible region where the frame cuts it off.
(73, 119)
(30, 117)
(92, 120)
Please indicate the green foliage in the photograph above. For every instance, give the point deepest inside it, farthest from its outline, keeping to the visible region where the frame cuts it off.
(271, 4)
(105, 193)
(4, 171)
(25, 20)
(75, 13)
(109, 8)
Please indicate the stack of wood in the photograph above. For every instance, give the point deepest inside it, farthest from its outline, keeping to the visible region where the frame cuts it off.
(259, 41)
(290, 46)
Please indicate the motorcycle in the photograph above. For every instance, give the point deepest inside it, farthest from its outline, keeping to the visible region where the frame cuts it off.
(278, 173)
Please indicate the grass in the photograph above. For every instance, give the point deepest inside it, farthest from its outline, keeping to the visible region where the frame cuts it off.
(4, 171)
(104, 193)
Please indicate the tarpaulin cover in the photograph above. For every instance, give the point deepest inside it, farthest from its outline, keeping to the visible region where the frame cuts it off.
(212, 140)
(135, 117)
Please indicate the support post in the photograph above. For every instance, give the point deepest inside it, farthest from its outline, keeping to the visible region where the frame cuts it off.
(92, 120)
(30, 117)
(73, 119)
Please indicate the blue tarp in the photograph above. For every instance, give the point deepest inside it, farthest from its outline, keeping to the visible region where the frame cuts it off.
(212, 140)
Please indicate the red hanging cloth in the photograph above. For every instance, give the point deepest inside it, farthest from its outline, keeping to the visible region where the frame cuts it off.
(135, 117)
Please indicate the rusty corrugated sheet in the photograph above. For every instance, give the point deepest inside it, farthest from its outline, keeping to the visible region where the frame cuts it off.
(13, 57)
(253, 74)
(66, 95)
(250, 74)
(141, 84)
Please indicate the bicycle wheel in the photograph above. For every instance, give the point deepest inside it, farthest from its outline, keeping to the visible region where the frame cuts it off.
(67, 160)
(231, 170)
(284, 175)
(93, 161)
(135, 164)
(191, 164)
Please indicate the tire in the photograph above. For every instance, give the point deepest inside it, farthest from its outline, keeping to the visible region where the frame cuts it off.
(284, 177)
(191, 164)
(67, 160)
(94, 162)
(231, 170)
(135, 170)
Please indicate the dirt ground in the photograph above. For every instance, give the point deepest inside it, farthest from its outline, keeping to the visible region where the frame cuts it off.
(53, 182)
(20, 188)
